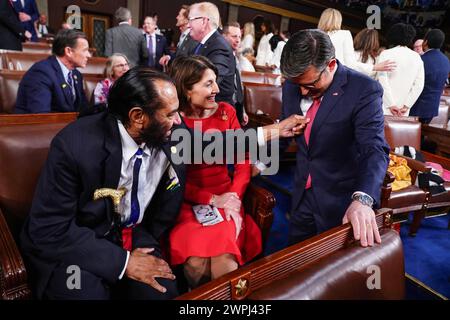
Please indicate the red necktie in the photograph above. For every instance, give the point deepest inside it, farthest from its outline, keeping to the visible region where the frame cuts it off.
(311, 114)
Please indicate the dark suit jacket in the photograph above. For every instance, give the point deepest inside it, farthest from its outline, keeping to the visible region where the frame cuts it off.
(65, 226)
(127, 40)
(161, 49)
(43, 89)
(347, 151)
(437, 68)
(31, 9)
(218, 50)
(11, 29)
(187, 47)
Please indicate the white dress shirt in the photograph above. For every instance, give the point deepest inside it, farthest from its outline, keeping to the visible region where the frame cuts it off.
(245, 64)
(153, 166)
(183, 36)
(403, 86)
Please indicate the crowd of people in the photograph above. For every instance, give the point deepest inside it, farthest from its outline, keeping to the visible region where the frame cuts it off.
(336, 92)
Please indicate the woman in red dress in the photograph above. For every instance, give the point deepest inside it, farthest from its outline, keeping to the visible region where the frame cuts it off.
(208, 252)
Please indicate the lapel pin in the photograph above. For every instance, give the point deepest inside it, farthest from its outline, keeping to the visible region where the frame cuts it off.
(173, 149)
(335, 93)
(64, 85)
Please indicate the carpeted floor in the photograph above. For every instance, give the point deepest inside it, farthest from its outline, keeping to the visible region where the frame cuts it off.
(427, 256)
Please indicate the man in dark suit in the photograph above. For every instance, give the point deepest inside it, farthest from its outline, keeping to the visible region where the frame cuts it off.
(54, 84)
(204, 20)
(11, 30)
(68, 230)
(158, 50)
(342, 156)
(126, 39)
(43, 30)
(437, 68)
(186, 45)
(28, 13)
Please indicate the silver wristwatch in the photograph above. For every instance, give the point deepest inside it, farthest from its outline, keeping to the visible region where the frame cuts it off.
(363, 198)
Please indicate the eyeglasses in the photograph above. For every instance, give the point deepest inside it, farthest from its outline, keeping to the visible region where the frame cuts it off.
(195, 18)
(122, 65)
(312, 85)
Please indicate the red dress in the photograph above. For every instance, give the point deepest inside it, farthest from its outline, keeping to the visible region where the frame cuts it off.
(190, 238)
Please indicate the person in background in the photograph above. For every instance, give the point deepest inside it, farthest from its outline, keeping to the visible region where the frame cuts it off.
(232, 33)
(418, 46)
(367, 48)
(247, 59)
(264, 53)
(330, 22)
(208, 252)
(55, 84)
(11, 30)
(437, 69)
(276, 59)
(248, 40)
(28, 14)
(126, 39)
(186, 45)
(116, 66)
(158, 49)
(42, 29)
(403, 86)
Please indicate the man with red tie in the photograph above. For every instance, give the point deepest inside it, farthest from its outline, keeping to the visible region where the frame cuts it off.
(342, 156)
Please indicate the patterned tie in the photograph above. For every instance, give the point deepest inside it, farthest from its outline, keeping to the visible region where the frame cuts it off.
(70, 83)
(311, 114)
(151, 60)
(135, 208)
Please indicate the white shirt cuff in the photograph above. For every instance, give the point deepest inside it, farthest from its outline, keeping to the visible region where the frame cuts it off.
(260, 166)
(261, 140)
(125, 267)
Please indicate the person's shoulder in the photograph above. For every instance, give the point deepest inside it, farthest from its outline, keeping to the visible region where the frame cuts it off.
(224, 106)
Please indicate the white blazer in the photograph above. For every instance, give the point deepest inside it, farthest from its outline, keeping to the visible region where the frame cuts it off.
(247, 42)
(264, 54)
(343, 45)
(245, 64)
(370, 63)
(276, 59)
(404, 85)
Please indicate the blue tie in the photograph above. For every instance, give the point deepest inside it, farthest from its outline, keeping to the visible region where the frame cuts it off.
(135, 208)
(198, 48)
(70, 82)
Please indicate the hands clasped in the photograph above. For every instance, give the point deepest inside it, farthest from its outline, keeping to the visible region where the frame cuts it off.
(293, 126)
(231, 204)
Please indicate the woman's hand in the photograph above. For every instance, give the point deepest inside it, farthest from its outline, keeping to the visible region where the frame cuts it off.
(227, 201)
(387, 65)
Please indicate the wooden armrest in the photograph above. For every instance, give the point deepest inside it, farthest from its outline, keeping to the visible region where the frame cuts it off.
(13, 276)
(259, 203)
(444, 162)
(388, 179)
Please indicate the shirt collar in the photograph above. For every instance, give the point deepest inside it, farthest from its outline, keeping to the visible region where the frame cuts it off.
(205, 38)
(129, 146)
(186, 32)
(64, 69)
(123, 22)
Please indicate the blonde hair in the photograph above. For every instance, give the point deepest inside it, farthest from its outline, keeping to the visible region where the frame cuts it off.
(210, 11)
(249, 28)
(330, 20)
(110, 63)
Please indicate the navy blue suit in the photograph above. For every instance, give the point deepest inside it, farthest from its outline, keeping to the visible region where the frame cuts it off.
(66, 227)
(161, 49)
(347, 151)
(31, 9)
(437, 68)
(11, 30)
(43, 89)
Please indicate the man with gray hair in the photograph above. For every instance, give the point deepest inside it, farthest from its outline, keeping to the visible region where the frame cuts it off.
(342, 155)
(204, 20)
(126, 39)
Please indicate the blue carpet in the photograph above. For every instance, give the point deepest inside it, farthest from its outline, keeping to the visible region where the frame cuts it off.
(427, 256)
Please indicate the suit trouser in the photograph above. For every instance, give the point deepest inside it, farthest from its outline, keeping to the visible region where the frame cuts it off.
(302, 224)
(93, 287)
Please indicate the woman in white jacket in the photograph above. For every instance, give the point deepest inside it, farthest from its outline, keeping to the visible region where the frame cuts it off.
(264, 53)
(248, 41)
(330, 21)
(403, 86)
(367, 48)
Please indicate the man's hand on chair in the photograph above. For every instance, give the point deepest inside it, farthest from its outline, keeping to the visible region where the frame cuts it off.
(363, 221)
(144, 267)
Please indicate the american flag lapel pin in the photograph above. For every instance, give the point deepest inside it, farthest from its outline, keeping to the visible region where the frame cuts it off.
(335, 93)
